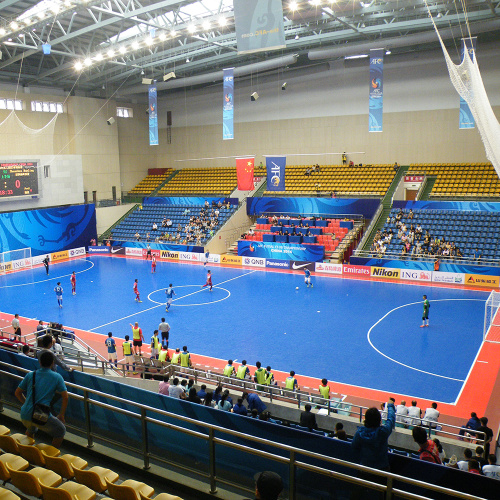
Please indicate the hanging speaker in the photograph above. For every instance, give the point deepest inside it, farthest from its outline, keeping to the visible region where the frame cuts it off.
(254, 96)
(110, 121)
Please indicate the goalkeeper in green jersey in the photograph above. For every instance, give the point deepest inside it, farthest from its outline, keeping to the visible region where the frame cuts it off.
(425, 314)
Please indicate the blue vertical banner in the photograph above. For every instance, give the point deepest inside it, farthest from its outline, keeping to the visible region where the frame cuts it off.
(466, 119)
(376, 106)
(228, 105)
(259, 25)
(153, 116)
(276, 166)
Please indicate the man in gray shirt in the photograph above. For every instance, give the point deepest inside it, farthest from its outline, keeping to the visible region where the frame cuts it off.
(46, 345)
(164, 329)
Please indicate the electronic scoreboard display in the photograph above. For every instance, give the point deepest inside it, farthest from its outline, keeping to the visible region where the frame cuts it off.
(18, 179)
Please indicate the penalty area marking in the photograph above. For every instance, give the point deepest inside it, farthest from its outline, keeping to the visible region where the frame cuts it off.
(51, 279)
(188, 295)
(399, 362)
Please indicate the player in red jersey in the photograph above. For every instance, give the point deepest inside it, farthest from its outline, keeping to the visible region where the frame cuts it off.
(209, 280)
(73, 283)
(136, 291)
(153, 264)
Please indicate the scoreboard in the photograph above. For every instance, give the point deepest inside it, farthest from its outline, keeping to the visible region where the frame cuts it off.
(18, 179)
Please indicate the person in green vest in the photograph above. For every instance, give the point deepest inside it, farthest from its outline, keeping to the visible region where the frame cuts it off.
(176, 357)
(269, 377)
(243, 371)
(185, 359)
(291, 383)
(128, 354)
(155, 345)
(229, 370)
(324, 390)
(259, 376)
(163, 356)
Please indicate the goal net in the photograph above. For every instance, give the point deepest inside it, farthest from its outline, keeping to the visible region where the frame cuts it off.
(15, 260)
(491, 331)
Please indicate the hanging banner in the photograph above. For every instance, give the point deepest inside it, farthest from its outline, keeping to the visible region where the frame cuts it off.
(276, 173)
(228, 105)
(153, 116)
(376, 101)
(244, 173)
(259, 25)
(466, 120)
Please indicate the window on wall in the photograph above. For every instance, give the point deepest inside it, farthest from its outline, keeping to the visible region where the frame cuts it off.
(16, 104)
(47, 107)
(124, 112)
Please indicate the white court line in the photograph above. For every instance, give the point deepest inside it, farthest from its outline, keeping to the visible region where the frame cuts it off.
(190, 305)
(50, 279)
(408, 366)
(161, 305)
(479, 361)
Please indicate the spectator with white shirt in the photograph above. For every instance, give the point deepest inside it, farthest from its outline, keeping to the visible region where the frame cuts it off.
(16, 326)
(415, 412)
(492, 469)
(464, 464)
(401, 414)
(431, 416)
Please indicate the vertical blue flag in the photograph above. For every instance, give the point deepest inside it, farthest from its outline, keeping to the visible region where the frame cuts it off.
(228, 105)
(376, 106)
(153, 116)
(276, 173)
(466, 119)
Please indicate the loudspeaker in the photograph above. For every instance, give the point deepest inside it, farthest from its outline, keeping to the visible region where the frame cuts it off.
(147, 81)
(254, 96)
(110, 121)
(283, 87)
(168, 76)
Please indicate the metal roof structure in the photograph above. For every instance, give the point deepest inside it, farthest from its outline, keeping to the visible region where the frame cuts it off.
(108, 46)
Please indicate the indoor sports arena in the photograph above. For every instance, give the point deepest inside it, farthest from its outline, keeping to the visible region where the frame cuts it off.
(249, 249)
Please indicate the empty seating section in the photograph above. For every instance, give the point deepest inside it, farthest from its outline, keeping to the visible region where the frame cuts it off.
(341, 179)
(454, 179)
(316, 232)
(141, 221)
(201, 181)
(150, 183)
(468, 230)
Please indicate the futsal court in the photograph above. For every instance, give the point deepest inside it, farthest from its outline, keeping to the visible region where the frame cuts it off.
(363, 336)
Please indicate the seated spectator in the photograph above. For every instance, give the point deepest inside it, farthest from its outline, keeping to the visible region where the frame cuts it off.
(341, 435)
(369, 443)
(472, 424)
(401, 414)
(428, 450)
(164, 222)
(474, 467)
(26, 350)
(223, 403)
(155, 227)
(137, 236)
(396, 167)
(239, 408)
(265, 415)
(339, 426)
(308, 418)
(477, 255)
(202, 392)
(480, 456)
(442, 453)
(464, 464)
(268, 485)
(176, 391)
(193, 397)
(308, 171)
(431, 416)
(492, 469)
(164, 386)
(251, 231)
(208, 401)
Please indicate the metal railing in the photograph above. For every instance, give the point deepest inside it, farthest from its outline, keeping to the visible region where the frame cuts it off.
(208, 436)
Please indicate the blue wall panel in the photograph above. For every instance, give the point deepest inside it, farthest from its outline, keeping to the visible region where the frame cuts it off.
(476, 206)
(185, 200)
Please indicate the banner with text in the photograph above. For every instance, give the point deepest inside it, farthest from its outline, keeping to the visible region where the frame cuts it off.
(466, 119)
(259, 25)
(282, 251)
(376, 100)
(276, 166)
(228, 105)
(153, 116)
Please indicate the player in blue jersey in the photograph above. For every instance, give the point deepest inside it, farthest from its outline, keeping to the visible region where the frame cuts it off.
(59, 292)
(207, 255)
(307, 277)
(111, 345)
(170, 293)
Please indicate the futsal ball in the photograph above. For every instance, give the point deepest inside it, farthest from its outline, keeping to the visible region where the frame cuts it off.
(297, 288)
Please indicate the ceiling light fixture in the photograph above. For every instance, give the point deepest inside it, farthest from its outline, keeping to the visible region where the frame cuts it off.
(110, 53)
(187, 60)
(99, 57)
(360, 56)
(192, 28)
(88, 61)
(78, 66)
(206, 25)
(293, 6)
(135, 45)
(222, 21)
(149, 41)
(173, 33)
(162, 36)
(122, 49)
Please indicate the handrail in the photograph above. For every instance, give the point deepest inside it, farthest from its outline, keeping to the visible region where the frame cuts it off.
(293, 463)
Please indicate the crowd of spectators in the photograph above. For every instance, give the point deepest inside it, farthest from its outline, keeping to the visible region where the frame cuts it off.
(415, 241)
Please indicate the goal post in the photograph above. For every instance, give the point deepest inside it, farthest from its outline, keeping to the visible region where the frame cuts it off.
(491, 332)
(15, 260)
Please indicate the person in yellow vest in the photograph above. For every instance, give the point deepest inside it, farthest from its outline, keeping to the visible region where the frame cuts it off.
(185, 359)
(155, 345)
(269, 377)
(176, 357)
(138, 337)
(128, 354)
(259, 376)
(229, 370)
(243, 371)
(324, 390)
(291, 383)
(163, 355)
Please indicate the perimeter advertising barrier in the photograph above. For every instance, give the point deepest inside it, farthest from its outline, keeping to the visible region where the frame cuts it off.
(283, 251)
(28, 262)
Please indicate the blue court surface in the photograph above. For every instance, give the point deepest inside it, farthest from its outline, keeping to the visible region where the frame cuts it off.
(354, 332)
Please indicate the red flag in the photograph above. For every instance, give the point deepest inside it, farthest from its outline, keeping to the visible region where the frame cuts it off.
(244, 172)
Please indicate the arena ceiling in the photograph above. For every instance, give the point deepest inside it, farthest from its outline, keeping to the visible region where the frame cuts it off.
(99, 48)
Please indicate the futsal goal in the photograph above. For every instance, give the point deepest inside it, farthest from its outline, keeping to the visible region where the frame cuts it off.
(491, 331)
(15, 260)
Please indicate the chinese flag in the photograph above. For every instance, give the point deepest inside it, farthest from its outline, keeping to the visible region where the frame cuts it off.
(244, 172)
